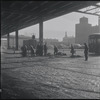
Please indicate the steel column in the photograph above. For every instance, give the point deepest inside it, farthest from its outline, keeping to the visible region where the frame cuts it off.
(41, 32)
(16, 39)
(8, 41)
(99, 23)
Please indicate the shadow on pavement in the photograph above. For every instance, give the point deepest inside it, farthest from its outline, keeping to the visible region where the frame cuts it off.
(75, 56)
(94, 55)
(11, 92)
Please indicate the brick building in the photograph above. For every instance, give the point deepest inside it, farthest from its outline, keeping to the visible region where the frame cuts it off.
(83, 30)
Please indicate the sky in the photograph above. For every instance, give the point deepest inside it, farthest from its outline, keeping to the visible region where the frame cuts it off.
(56, 28)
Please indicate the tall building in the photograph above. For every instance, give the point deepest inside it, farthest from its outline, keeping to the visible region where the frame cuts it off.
(83, 30)
(99, 23)
(65, 39)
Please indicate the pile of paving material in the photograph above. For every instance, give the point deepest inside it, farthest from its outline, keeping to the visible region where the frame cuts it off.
(75, 56)
(61, 53)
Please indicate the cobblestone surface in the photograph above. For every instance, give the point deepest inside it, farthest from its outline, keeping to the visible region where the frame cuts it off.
(59, 77)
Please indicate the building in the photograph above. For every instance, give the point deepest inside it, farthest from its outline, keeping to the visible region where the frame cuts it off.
(83, 30)
(30, 42)
(65, 39)
(4, 43)
(68, 40)
(22, 38)
(51, 41)
(12, 40)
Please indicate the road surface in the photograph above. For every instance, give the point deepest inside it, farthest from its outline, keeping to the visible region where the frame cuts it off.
(59, 77)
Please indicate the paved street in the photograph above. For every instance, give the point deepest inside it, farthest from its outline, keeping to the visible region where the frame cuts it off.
(60, 77)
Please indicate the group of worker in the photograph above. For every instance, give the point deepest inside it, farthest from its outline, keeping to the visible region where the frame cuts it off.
(72, 51)
(42, 50)
(24, 50)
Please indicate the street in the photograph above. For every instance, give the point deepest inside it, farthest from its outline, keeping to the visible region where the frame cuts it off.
(53, 77)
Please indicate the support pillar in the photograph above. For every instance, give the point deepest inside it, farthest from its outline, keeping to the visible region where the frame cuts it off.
(99, 24)
(41, 32)
(8, 47)
(16, 39)
(41, 36)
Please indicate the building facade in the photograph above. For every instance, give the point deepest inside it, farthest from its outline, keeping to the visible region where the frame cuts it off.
(68, 40)
(83, 30)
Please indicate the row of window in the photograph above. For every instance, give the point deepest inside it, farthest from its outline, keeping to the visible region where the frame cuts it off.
(94, 41)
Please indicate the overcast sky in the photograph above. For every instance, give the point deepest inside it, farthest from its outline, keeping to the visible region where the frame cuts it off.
(56, 28)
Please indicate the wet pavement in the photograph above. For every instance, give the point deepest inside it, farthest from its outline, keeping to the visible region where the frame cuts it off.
(59, 77)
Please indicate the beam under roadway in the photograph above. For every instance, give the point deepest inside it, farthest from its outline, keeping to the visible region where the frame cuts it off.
(88, 13)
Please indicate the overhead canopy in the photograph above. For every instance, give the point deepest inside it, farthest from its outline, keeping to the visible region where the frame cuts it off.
(92, 10)
(16, 15)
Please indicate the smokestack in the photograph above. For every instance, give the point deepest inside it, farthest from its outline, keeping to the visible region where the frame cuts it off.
(65, 34)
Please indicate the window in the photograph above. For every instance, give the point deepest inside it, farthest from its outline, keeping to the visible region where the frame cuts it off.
(98, 40)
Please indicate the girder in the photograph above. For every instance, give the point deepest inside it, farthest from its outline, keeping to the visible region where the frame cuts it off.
(21, 14)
